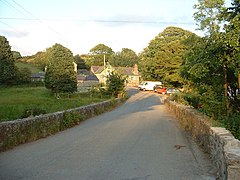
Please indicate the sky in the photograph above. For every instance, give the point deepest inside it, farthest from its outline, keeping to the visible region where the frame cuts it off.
(34, 25)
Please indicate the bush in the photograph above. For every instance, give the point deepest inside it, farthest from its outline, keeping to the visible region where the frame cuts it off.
(23, 76)
(33, 111)
(60, 75)
(193, 100)
(214, 107)
(188, 99)
(232, 123)
(70, 119)
(115, 84)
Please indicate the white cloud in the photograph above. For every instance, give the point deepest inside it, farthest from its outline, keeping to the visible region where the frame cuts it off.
(81, 37)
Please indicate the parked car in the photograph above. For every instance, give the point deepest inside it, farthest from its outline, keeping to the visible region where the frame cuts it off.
(157, 87)
(162, 90)
(172, 90)
(148, 85)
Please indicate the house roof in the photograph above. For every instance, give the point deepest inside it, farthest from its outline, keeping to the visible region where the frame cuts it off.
(97, 69)
(38, 75)
(123, 70)
(81, 77)
(92, 78)
(87, 78)
(83, 72)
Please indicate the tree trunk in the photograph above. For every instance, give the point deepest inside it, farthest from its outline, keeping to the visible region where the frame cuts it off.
(239, 83)
(225, 80)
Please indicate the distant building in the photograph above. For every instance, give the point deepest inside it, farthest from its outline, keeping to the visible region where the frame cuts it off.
(38, 76)
(85, 82)
(132, 73)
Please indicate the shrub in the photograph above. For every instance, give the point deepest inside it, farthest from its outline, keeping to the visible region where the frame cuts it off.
(60, 75)
(70, 119)
(193, 100)
(115, 84)
(23, 76)
(232, 123)
(187, 99)
(33, 111)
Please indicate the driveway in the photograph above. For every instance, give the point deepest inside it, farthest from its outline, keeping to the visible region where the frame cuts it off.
(140, 140)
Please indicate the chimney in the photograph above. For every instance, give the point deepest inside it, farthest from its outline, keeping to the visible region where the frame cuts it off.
(135, 69)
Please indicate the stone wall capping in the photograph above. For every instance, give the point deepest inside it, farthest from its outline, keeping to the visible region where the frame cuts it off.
(221, 145)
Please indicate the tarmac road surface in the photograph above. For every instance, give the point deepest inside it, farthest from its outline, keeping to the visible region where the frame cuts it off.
(140, 140)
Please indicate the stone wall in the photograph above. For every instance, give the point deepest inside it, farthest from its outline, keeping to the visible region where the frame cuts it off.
(13, 133)
(223, 148)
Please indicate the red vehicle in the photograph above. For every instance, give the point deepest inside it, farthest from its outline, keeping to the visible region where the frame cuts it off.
(161, 90)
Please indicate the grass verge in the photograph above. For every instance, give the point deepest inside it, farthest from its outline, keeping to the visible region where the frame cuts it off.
(14, 101)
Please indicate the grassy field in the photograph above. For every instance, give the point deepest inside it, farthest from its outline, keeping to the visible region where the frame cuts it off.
(32, 68)
(15, 100)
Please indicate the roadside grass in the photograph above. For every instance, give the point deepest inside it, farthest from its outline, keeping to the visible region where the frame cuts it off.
(14, 101)
(31, 67)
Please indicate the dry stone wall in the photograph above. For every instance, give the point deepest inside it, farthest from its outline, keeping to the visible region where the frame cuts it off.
(13, 133)
(223, 148)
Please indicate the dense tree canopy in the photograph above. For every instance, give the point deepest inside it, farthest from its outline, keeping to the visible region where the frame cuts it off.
(80, 62)
(101, 49)
(212, 64)
(125, 58)
(208, 15)
(162, 58)
(97, 55)
(16, 55)
(60, 75)
(7, 68)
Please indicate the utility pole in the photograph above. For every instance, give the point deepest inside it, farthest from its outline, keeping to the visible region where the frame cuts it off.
(104, 61)
(104, 69)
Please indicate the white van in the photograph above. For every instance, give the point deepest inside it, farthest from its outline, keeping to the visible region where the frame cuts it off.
(148, 85)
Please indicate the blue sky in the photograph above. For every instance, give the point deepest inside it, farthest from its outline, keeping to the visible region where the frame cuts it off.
(34, 25)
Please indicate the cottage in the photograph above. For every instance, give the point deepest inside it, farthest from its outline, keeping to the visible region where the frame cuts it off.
(38, 76)
(132, 73)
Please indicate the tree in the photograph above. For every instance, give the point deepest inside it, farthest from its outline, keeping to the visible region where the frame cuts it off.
(125, 58)
(40, 59)
(232, 15)
(23, 76)
(212, 64)
(162, 59)
(80, 62)
(7, 68)
(97, 55)
(115, 84)
(208, 15)
(201, 66)
(60, 75)
(16, 55)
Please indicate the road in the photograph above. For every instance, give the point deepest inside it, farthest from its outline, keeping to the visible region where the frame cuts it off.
(140, 140)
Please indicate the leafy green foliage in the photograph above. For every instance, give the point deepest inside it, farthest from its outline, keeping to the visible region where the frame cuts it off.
(162, 59)
(208, 15)
(115, 84)
(97, 55)
(7, 67)
(60, 75)
(31, 67)
(33, 111)
(23, 76)
(16, 55)
(70, 119)
(125, 58)
(233, 124)
(80, 62)
(211, 67)
(40, 59)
